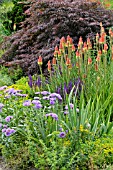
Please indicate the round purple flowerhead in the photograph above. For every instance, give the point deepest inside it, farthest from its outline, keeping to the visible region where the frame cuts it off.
(55, 95)
(9, 131)
(62, 134)
(3, 130)
(36, 101)
(60, 128)
(53, 115)
(45, 97)
(3, 87)
(38, 106)
(52, 101)
(5, 126)
(70, 105)
(20, 95)
(44, 93)
(11, 91)
(8, 118)
(66, 112)
(27, 103)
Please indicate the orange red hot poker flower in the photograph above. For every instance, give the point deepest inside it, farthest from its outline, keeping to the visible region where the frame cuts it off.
(40, 60)
(54, 61)
(89, 61)
(49, 65)
(68, 61)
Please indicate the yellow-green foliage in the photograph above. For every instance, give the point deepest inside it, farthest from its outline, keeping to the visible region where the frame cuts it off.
(21, 84)
(99, 151)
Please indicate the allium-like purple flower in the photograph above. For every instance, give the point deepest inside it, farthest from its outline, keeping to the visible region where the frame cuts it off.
(37, 92)
(4, 130)
(58, 96)
(0, 125)
(66, 131)
(60, 129)
(38, 106)
(1, 106)
(52, 101)
(18, 91)
(53, 115)
(70, 105)
(62, 134)
(3, 87)
(21, 95)
(66, 112)
(5, 126)
(27, 103)
(11, 91)
(8, 118)
(44, 93)
(36, 102)
(45, 97)
(9, 131)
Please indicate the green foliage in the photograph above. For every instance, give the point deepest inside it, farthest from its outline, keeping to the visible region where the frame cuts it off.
(4, 8)
(16, 155)
(16, 15)
(5, 80)
(15, 73)
(11, 14)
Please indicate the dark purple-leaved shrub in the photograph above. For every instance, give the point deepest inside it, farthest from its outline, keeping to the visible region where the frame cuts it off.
(47, 22)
